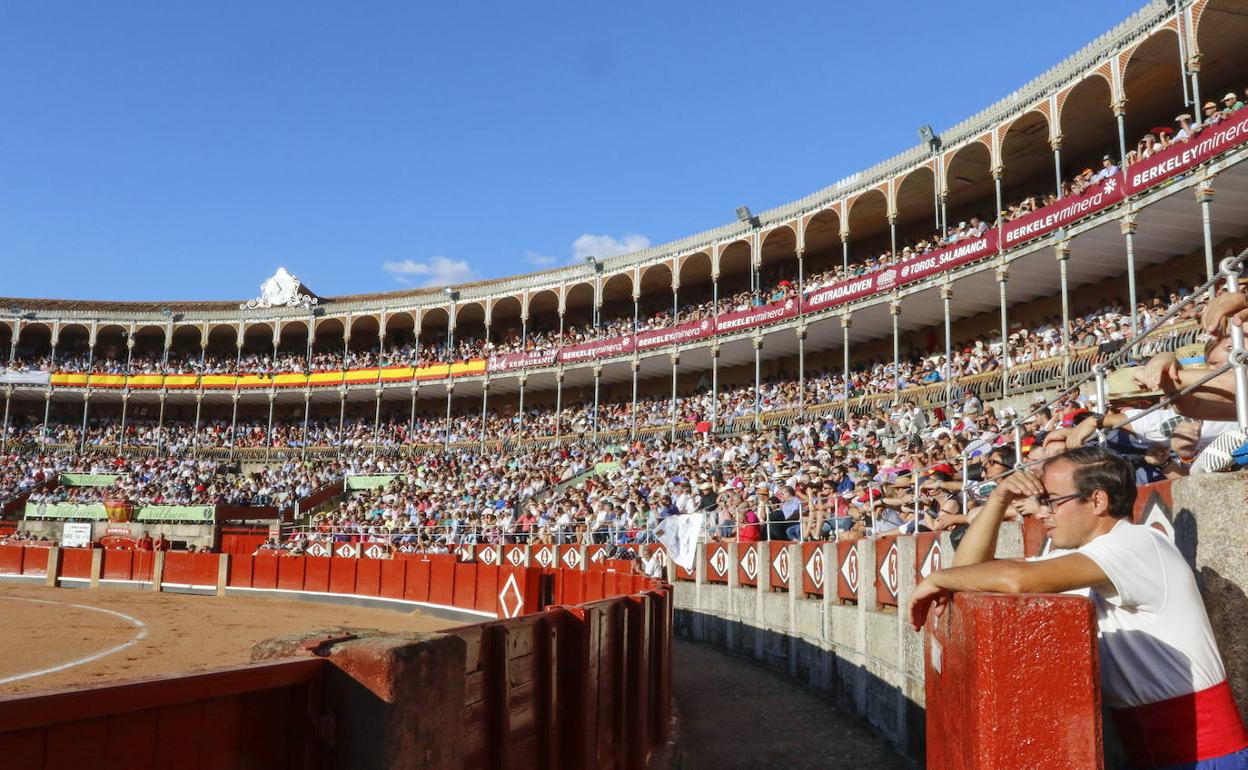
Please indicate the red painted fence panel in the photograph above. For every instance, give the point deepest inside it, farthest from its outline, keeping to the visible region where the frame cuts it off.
(76, 563)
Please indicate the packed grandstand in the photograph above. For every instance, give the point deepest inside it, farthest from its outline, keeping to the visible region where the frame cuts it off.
(872, 360)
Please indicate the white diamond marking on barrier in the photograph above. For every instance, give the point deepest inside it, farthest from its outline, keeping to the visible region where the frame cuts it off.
(572, 558)
(781, 565)
(719, 562)
(888, 570)
(1155, 517)
(849, 568)
(347, 551)
(814, 568)
(545, 557)
(749, 563)
(516, 557)
(510, 599)
(318, 549)
(375, 551)
(931, 562)
(598, 555)
(488, 556)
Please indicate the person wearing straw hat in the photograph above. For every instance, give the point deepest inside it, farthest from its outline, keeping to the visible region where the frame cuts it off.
(1159, 660)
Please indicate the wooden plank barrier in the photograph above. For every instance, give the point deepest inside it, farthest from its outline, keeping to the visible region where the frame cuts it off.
(250, 716)
(560, 687)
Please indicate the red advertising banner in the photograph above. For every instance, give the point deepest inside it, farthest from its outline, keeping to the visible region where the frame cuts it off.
(1066, 211)
(615, 346)
(507, 362)
(913, 269)
(756, 316)
(657, 338)
(1184, 155)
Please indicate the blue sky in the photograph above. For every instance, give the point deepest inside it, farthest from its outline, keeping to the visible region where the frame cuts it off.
(157, 150)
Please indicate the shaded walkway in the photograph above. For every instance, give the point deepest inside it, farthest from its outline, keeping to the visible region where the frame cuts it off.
(735, 713)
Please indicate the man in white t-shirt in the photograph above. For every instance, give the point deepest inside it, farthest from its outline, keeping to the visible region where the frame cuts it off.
(1159, 660)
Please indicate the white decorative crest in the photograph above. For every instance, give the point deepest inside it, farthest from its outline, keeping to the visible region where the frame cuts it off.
(814, 568)
(888, 570)
(719, 561)
(597, 554)
(849, 568)
(488, 555)
(376, 551)
(749, 563)
(781, 565)
(510, 600)
(515, 555)
(545, 556)
(347, 551)
(282, 290)
(931, 562)
(318, 549)
(572, 557)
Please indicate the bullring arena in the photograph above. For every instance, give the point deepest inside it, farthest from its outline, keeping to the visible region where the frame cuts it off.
(60, 640)
(881, 477)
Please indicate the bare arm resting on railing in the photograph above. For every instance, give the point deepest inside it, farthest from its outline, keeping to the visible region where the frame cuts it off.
(1215, 400)
(1072, 518)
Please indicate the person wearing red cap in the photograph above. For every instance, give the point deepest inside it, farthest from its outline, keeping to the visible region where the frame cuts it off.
(1161, 673)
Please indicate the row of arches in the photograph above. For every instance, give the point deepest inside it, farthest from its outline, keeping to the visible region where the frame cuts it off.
(1138, 89)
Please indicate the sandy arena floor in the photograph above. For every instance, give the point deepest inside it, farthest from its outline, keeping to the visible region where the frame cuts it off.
(57, 637)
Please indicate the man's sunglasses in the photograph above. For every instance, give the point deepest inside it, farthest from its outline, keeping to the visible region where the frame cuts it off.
(1046, 501)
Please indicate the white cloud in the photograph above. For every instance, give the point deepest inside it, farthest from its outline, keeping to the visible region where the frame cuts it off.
(436, 271)
(603, 246)
(539, 260)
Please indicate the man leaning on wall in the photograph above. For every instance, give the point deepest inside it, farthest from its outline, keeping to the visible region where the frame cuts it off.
(1159, 660)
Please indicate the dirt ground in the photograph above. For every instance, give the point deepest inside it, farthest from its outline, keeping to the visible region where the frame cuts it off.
(165, 633)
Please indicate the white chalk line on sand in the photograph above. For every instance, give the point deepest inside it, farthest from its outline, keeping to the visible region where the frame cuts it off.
(138, 637)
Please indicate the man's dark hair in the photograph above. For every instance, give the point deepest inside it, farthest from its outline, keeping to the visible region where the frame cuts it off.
(1098, 468)
(1006, 453)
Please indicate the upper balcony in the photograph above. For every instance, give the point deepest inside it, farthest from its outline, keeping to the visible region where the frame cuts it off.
(858, 243)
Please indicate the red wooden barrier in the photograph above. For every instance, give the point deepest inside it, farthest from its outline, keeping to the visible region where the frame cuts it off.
(416, 585)
(240, 571)
(442, 579)
(291, 574)
(887, 571)
(848, 571)
(515, 556)
(76, 563)
(393, 576)
(990, 707)
(141, 566)
(544, 556)
(464, 586)
(748, 567)
(368, 577)
(34, 560)
(565, 687)
(11, 559)
(570, 557)
(198, 569)
(717, 562)
(316, 573)
(928, 556)
(814, 571)
(254, 716)
(595, 555)
(264, 570)
(342, 575)
(779, 568)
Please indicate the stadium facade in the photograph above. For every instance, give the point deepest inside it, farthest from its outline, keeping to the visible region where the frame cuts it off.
(1184, 199)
